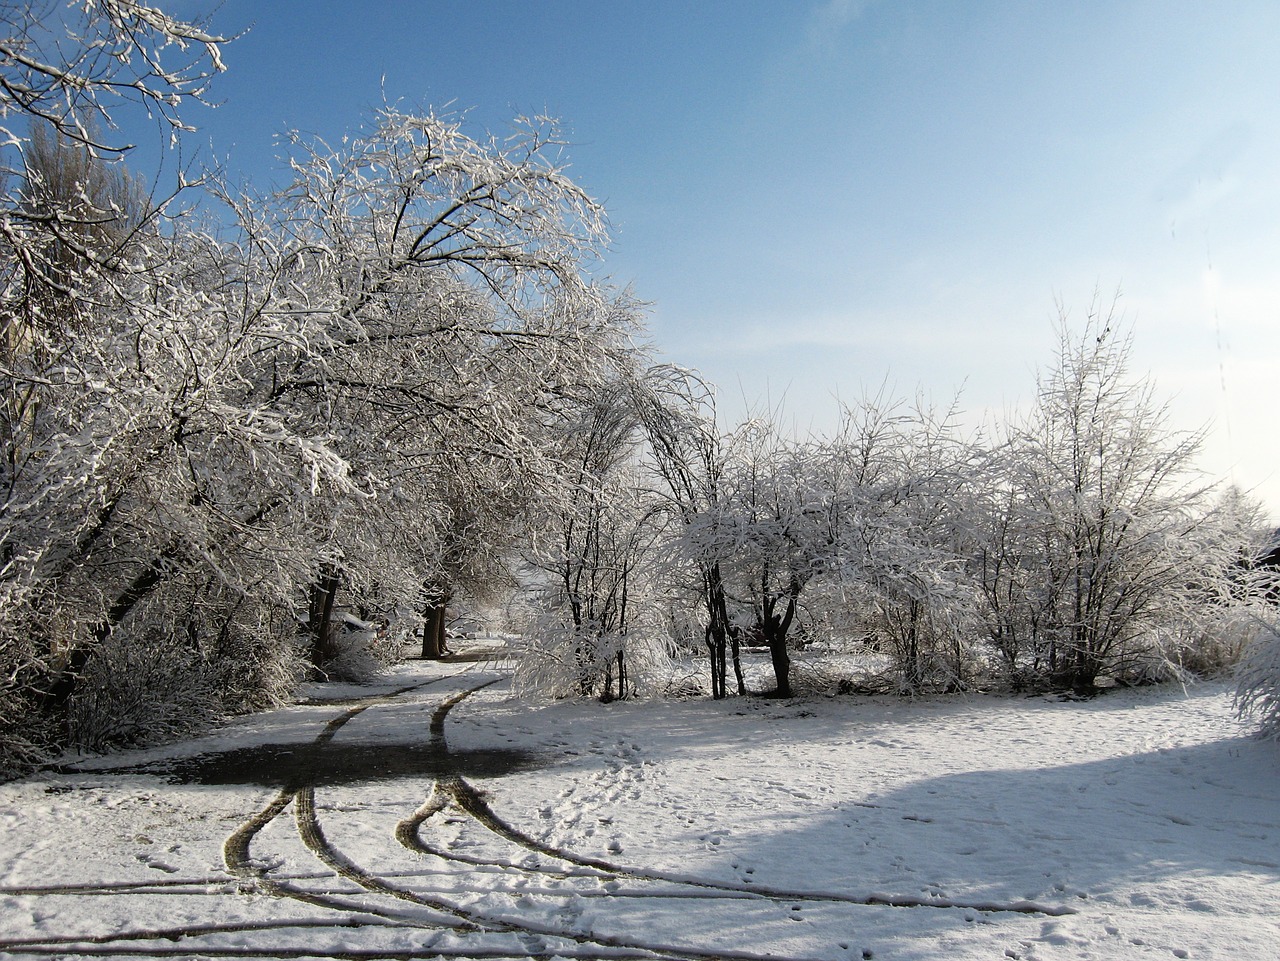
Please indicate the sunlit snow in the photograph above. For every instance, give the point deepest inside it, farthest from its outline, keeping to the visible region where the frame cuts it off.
(412, 819)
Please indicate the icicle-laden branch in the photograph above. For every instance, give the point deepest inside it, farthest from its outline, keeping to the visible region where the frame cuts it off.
(109, 51)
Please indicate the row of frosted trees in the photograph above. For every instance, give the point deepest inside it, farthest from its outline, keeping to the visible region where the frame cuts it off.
(1078, 546)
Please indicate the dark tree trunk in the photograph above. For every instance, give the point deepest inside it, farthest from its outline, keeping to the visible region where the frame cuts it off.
(1085, 664)
(433, 630)
(606, 693)
(65, 684)
(775, 629)
(320, 620)
(63, 687)
(735, 640)
(718, 631)
(434, 619)
(781, 663)
(715, 654)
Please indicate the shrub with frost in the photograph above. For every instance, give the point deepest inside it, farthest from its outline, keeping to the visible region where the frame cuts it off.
(1258, 680)
(361, 650)
(554, 658)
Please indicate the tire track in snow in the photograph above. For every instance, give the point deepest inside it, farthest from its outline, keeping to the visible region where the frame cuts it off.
(44, 945)
(360, 908)
(287, 954)
(236, 849)
(257, 874)
(468, 800)
(456, 788)
(244, 870)
(457, 917)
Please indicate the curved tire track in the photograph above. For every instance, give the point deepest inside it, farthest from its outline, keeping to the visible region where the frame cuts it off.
(468, 800)
(455, 917)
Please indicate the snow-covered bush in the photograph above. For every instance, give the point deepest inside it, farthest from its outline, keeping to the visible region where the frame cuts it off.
(139, 688)
(553, 659)
(359, 650)
(173, 669)
(1258, 679)
(1092, 539)
(1210, 645)
(24, 733)
(264, 663)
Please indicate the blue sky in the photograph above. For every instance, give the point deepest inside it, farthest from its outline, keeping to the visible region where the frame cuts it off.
(817, 197)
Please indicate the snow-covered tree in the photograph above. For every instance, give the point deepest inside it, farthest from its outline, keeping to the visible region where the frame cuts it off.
(688, 455)
(74, 64)
(73, 239)
(454, 324)
(1111, 546)
(352, 392)
(775, 529)
(1258, 678)
(904, 477)
(1002, 544)
(593, 566)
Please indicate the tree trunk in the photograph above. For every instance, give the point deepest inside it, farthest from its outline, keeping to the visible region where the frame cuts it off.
(433, 636)
(915, 673)
(434, 619)
(606, 692)
(718, 631)
(1086, 664)
(715, 654)
(775, 629)
(735, 640)
(320, 621)
(65, 684)
(781, 663)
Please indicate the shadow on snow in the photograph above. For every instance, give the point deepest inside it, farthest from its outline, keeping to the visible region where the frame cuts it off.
(334, 763)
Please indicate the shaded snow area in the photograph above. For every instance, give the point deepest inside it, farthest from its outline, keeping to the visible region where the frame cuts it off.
(431, 815)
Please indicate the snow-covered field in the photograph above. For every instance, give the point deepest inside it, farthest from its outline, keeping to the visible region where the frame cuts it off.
(436, 822)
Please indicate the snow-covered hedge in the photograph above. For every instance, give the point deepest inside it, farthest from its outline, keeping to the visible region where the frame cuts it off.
(1258, 680)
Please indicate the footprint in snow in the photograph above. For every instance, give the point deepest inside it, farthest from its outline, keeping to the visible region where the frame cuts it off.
(156, 864)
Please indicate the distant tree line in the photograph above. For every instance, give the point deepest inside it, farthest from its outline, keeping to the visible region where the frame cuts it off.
(1078, 547)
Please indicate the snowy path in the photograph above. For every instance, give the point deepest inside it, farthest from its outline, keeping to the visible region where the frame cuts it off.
(438, 817)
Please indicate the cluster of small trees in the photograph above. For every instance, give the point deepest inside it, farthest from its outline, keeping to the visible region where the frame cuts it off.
(1077, 544)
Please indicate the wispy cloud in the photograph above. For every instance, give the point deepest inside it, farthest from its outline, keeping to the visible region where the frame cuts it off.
(1192, 190)
(828, 20)
(837, 332)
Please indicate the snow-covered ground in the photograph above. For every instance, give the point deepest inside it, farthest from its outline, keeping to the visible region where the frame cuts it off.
(433, 822)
